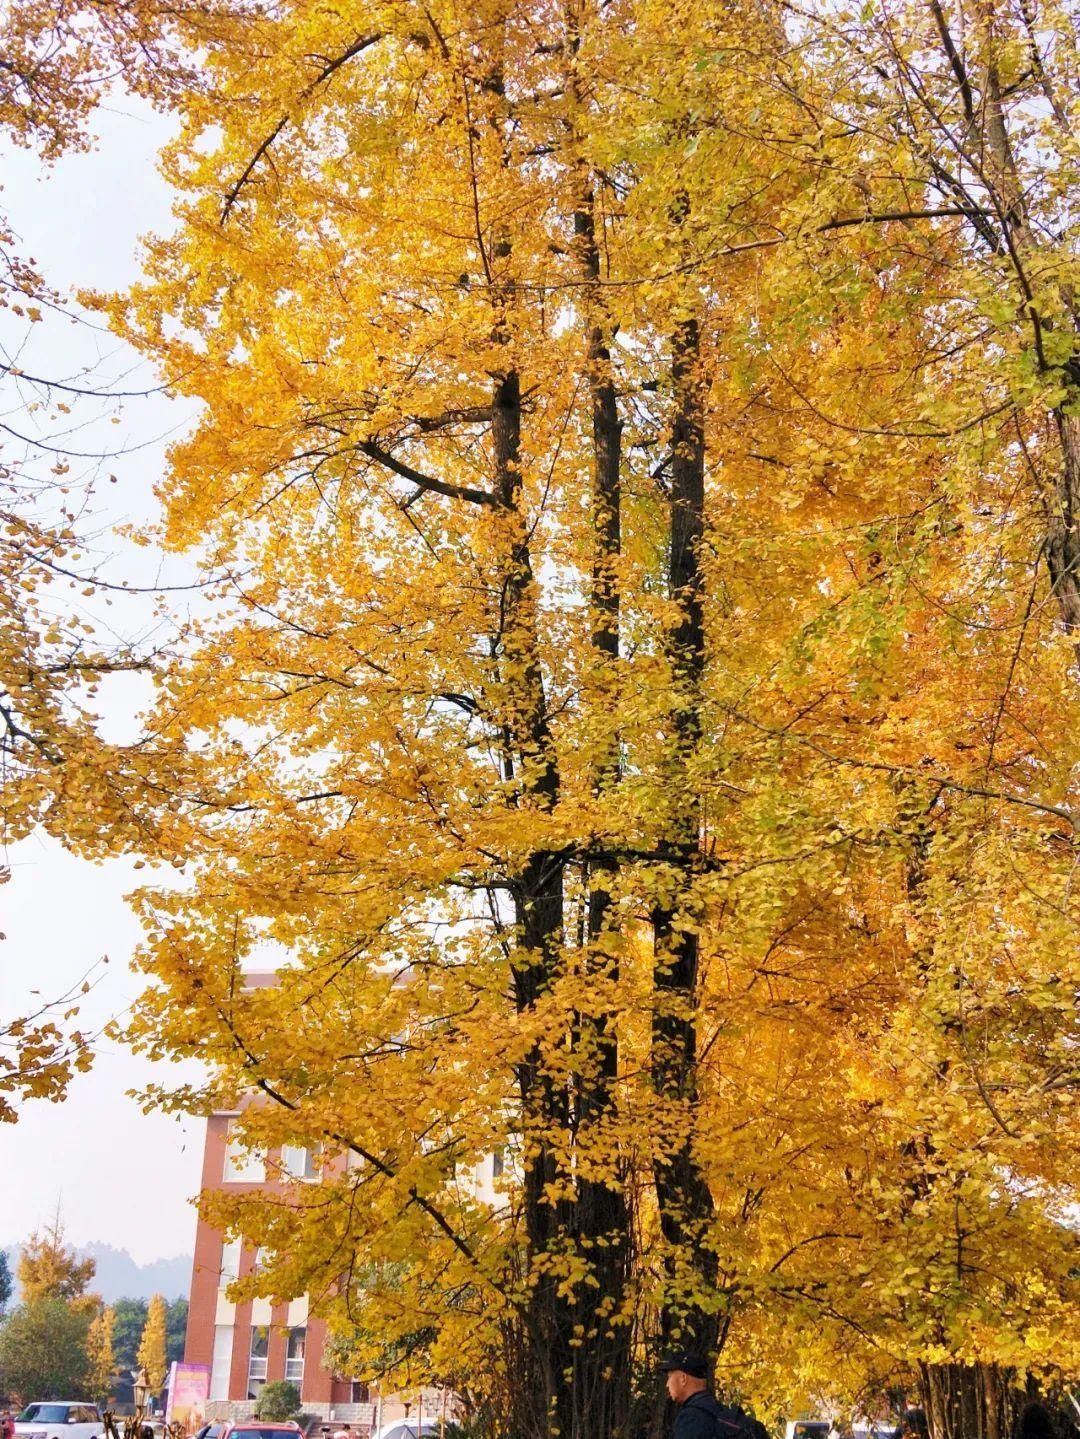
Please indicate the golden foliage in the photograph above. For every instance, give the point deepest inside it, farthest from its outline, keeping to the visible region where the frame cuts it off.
(643, 729)
(99, 1353)
(48, 1269)
(152, 1352)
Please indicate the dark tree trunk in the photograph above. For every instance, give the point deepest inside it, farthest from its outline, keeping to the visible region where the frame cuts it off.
(969, 1401)
(575, 1379)
(1063, 528)
(537, 890)
(685, 1201)
(602, 1372)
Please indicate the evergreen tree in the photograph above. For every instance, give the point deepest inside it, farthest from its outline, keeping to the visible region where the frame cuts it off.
(128, 1324)
(176, 1329)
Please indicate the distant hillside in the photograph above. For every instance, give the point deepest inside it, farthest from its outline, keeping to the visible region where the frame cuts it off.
(119, 1277)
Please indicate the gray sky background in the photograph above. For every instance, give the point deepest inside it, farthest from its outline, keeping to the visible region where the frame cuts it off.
(120, 1177)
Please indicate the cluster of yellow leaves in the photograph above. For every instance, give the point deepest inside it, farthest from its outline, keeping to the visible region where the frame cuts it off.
(101, 1359)
(48, 1269)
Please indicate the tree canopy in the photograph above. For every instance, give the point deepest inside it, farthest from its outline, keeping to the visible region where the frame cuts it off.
(100, 1357)
(48, 1268)
(43, 1351)
(640, 725)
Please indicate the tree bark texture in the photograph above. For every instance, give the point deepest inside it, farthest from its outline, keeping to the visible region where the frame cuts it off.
(969, 1401)
(1063, 528)
(685, 1201)
(576, 1363)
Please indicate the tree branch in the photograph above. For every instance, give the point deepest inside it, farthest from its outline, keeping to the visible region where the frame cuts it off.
(356, 48)
(425, 482)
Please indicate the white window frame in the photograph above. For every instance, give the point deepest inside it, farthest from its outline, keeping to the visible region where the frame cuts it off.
(221, 1361)
(231, 1250)
(243, 1165)
(294, 1367)
(255, 1374)
(300, 1163)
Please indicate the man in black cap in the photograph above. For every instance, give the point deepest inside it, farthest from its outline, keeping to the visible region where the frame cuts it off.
(700, 1415)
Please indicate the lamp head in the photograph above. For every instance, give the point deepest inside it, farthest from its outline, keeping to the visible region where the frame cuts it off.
(140, 1388)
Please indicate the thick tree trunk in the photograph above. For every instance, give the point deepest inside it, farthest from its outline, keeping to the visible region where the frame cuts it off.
(575, 1379)
(538, 915)
(969, 1401)
(685, 1201)
(602, 1366)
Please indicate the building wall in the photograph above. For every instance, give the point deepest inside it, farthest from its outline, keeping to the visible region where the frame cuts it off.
(219, 1332)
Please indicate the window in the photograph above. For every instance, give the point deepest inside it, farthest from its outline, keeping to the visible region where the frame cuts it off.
(300, 1163)
(294, 1355)
(497, 1164)
(230, 1262)
(361, 1394)
(221, 1363)
(242, 1164)
(260, 1347)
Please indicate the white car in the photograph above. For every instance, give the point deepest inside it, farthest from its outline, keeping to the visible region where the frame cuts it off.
(58, 1419)
(410, 1429)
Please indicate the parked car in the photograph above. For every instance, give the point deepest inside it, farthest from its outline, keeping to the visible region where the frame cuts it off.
(409, 1429)
(808, 1429)
(259, 1429)
(59, 1419)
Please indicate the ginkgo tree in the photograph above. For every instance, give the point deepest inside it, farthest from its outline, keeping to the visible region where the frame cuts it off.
(643, 731)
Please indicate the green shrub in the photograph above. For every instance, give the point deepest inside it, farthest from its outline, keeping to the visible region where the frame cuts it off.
(277, 1400)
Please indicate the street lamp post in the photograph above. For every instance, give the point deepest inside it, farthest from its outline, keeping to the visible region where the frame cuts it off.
(140, 1388)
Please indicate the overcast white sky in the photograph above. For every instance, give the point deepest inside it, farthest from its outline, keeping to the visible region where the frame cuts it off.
(121, 1177)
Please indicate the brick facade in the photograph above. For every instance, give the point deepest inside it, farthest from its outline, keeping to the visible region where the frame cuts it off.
(228, 1337)
(248, 1344)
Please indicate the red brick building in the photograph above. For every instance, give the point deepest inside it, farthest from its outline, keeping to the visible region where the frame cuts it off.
(248, 1344)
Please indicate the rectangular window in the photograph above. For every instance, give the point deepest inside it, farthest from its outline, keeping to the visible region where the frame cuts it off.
(300, 1163)
(221, 1363)
(294, 1355)
(230, 1262)
(260, 1348)
(497, 1164)
(242, 1164)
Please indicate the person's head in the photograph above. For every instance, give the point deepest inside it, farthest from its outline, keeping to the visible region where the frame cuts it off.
(685, 1373)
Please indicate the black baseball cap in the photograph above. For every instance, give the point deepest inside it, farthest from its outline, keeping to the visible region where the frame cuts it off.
(686, 1360)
